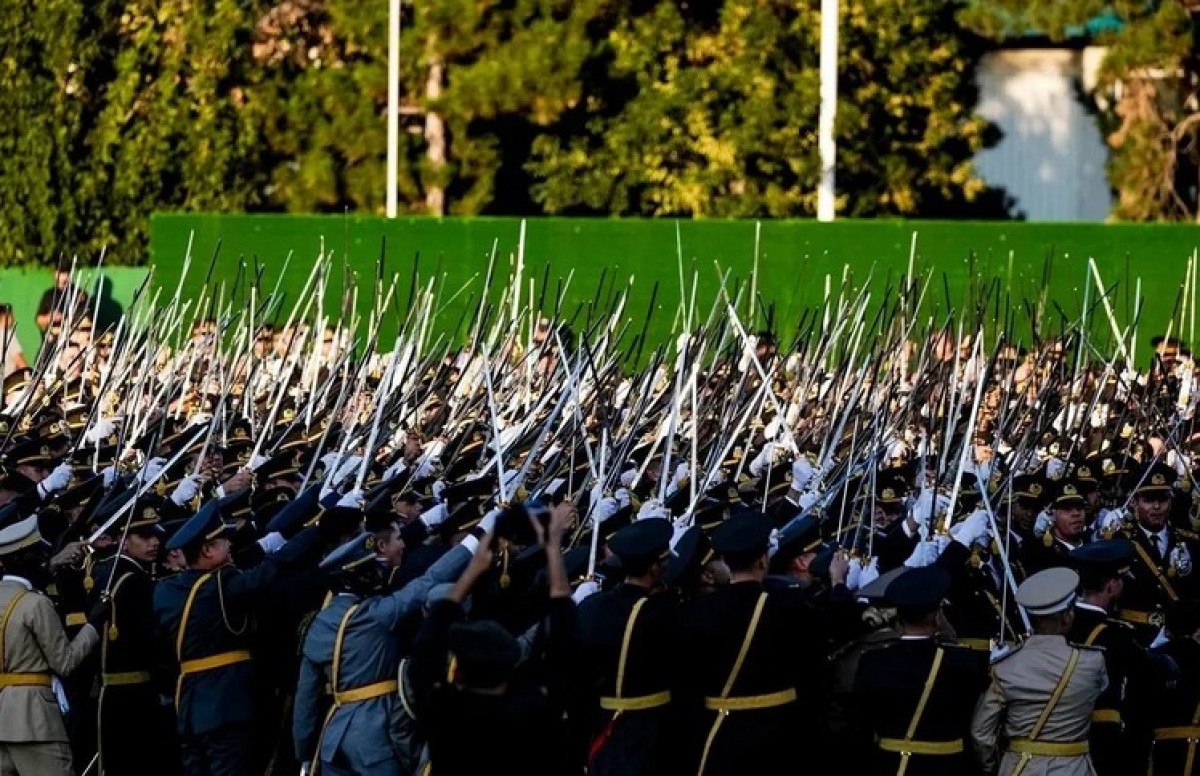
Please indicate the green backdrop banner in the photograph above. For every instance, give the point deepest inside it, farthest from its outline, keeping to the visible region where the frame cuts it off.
(796, 259)
(23, 289)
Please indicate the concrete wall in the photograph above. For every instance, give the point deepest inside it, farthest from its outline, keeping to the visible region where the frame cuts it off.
(1052, 156)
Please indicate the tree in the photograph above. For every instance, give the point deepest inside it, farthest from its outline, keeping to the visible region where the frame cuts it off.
(714, 113)
(1147, 95)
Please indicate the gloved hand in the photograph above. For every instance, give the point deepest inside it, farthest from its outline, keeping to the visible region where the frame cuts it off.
(151, 469)
(187, 489)
(488, 521)
(585, 589)
(437, 487)
(58, 479)
(256, 461)
(926, 552)
(430, 466)
(352, 499)
(1055, 468)
(434, 516)
(975, 528)
(1109, 521)
(763, 460)
(1042, 523)
(802, 472)
(807, 499)
(626, 478)
(929, 505)
(605, 508)
(394, 469)
(101, 429)
(348, 466)
(98, 615)
(109, 473)
(653, 508)
(622, 497)
(869, 574)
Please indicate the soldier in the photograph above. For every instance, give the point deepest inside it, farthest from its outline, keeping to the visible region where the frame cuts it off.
(737, 684)
(353, 648)
(1042, 693)
(1067, 530)
(1173, 708)
(626, 642)
(1102, 566)
(33, 651)
(916, 693)
(204, 621)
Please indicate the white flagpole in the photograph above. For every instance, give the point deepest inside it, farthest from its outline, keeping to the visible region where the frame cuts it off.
(393, 109)
(829, 91)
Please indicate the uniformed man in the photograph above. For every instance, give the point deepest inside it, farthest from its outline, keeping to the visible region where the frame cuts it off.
(1043, 693)
(1102, 566)
(1067, 531)
(917, 693)
(1163, 567)
(1173, 703)
(132, 725)
(203, 616)
(33, 651)
(737, 683)
(626, 643)
(352, 647)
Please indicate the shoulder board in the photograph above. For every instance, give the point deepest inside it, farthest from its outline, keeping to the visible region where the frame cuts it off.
(1112, 622)
(1183, 533)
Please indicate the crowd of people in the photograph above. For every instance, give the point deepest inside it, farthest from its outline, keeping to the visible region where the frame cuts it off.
(235, 541)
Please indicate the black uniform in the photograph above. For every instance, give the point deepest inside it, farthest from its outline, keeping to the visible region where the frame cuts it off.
(1153, 583)
(626, 678)
(889, 686)
(1174, 708)
(133, 727)
(756, 723)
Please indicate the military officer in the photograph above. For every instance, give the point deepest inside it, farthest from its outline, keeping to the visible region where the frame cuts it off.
(1163, 566)
(33, 651)
(626, 641)
(352, 647)
(1173, 705)
(132, 726)
(917, 693)
(1067, 530)
(203, 617)
(1043, 693)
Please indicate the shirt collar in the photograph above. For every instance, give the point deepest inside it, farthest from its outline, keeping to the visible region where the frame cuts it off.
(1091, 607)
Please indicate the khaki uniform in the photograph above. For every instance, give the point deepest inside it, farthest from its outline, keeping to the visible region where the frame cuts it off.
(1041, 697)
(33, 736)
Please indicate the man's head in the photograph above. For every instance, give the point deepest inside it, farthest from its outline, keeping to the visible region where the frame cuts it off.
(407, 506)
(743, 541)
(389, 546)
(23, 553)
(1067, 511)
(917, 596)
(797, 547)
(140, 535)
(1152, 499)
(644, 548)
(1049, 598)
(356, 565)
(1103, 566)
(204, 539)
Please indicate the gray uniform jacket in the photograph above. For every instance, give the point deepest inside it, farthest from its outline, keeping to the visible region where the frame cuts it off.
(1022, 684)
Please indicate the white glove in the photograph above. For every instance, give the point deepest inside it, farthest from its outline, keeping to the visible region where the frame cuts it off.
(854, 575)
(605, 508)
(394, 469)
(428, 467)
(434, 448)
(349, 465)
(352, 499)
(437, 487)
(101, 429)
(488, 521)
(975, 528)
(807, 499)
(763, 459)
(802, 472)
(626, 478)
(510, 481)
(1042, 523)
(58, 479)
(256, 461)
(585, 589)
(869, 574)
(622, 497)
(151, 469)
(186, 490)
(929, 503)
(653, 508)
(329, 460)
(109, 473)
(679, 528)
(435, 516)
(1108, 522)
(1055, 468)
(926, 552)
(271, 542)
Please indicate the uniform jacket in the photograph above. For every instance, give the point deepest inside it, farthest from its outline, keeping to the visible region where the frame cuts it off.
(370, 654)
(34, 642)
(1022, 683)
